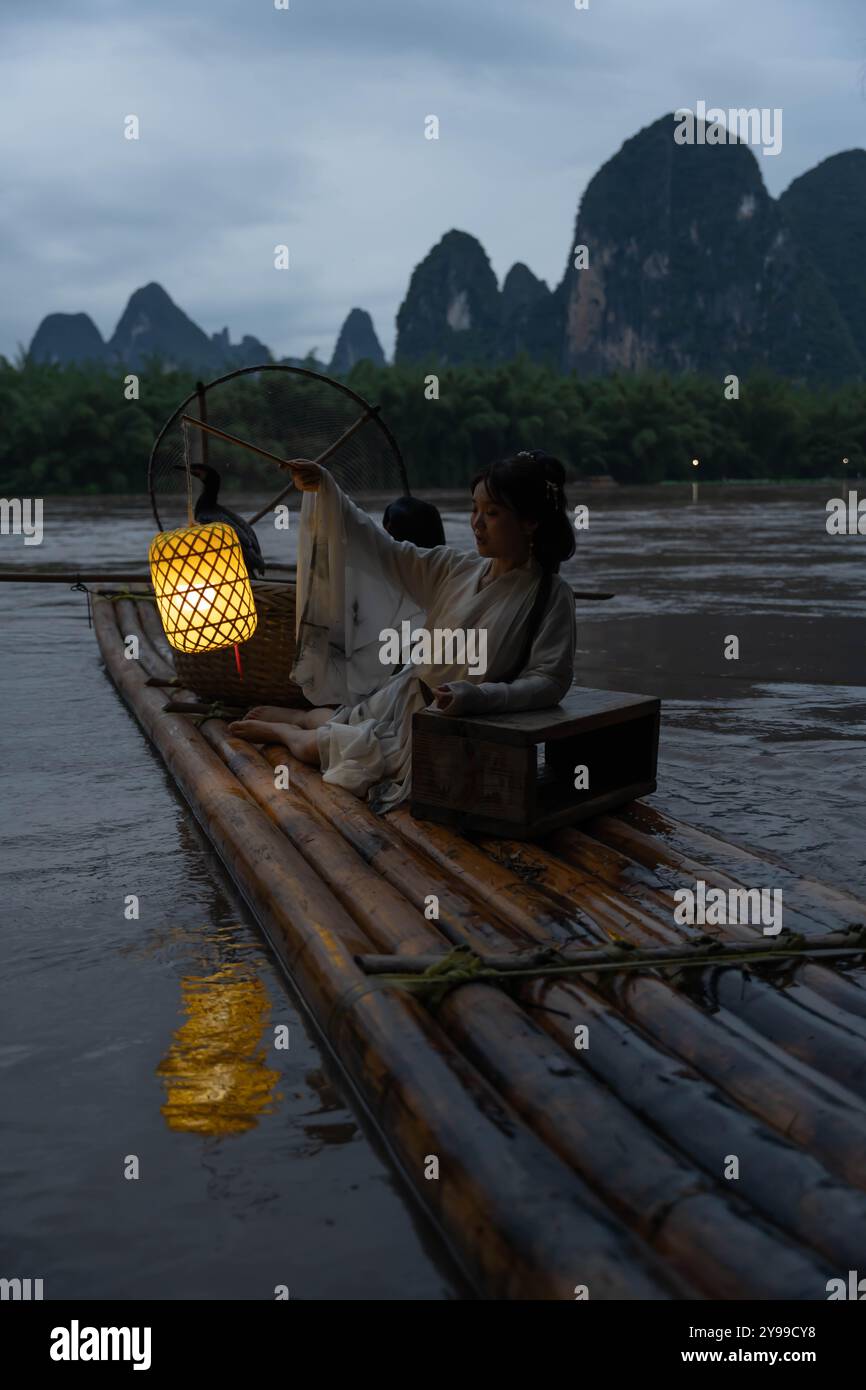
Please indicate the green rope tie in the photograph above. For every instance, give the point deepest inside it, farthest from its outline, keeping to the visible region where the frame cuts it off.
(463, 966)
(214, 711)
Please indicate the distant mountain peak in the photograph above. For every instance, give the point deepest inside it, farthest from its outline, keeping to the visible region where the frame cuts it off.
(356, 342)
(151, 325)
(451, 311)
(67, 338)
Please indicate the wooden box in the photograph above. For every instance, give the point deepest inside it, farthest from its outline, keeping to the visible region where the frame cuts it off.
(514, 774)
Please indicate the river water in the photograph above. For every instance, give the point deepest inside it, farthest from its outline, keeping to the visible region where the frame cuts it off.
(147, 1045)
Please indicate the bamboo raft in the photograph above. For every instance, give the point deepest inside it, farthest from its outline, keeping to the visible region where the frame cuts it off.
(599, 1170)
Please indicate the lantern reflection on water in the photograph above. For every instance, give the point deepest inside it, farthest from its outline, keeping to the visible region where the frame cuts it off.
(216, 1074)
(202, 587)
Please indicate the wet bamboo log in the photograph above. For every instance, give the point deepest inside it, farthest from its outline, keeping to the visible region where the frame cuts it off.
(787, 1186)
(390, 920)
(601, 916)
(794, 1023)
(403, 866)
(833, 1046)
(739, 1061)
(797, 1021)
(512, 1212)
(638, 882)
(566, 883)
(152, 624)
(130, 624)
(710, 1236)
(653, 886)
(516, 899)
(829, 906)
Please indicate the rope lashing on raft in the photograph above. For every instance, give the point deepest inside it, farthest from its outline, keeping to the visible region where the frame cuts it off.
(465, 966)
(79, 587)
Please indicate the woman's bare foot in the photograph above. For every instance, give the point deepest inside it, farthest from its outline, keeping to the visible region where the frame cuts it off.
(277, 714)
(303, 743)
(298, 718)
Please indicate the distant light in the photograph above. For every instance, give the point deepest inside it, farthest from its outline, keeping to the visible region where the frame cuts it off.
(844, 460)
(695, 463)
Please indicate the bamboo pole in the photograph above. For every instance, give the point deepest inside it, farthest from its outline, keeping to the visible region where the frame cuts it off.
(518, 900)
(514, 1213)
(831, 1046)
(24, 576)
(71, 577)
(712, 1239)
(612, 960)
(795, 1020)
(644, 884)
(615, 915)
(821, 898)
(644, 852)
(373, 837)
(128, 622)
(151, 622)
(322, 458)
(384, 913)
(650, 885)
(781, 1182)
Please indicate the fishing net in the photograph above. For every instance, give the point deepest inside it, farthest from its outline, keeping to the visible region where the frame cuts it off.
(290, 411)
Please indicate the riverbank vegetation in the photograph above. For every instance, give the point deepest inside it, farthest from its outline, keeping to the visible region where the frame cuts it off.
(72, 429)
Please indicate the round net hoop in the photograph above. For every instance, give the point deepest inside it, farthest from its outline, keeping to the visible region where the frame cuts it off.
(292, 412)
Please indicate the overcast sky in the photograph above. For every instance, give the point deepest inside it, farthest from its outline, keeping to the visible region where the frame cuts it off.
(305, 126)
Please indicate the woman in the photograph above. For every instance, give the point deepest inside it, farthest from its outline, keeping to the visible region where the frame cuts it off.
(354, 582)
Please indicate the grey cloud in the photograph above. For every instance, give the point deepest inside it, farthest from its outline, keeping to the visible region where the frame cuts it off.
(260, 126)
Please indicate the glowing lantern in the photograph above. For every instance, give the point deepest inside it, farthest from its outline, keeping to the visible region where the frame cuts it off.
(202, 587)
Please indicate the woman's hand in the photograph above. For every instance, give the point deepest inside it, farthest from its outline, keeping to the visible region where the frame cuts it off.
(445, 702)
(306, 475)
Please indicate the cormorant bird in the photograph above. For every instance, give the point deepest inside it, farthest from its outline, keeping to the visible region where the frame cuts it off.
(207, 509)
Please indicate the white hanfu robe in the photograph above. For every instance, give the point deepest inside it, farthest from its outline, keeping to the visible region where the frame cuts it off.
(354, 582)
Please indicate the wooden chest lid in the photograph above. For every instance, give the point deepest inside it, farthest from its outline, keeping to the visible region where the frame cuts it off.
(582, 710)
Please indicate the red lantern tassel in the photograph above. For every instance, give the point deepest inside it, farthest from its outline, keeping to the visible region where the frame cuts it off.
(238, 661)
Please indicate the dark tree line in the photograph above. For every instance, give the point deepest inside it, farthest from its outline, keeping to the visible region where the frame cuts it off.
(71, 429)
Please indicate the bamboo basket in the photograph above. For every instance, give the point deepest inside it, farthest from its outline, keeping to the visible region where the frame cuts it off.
(266, 659)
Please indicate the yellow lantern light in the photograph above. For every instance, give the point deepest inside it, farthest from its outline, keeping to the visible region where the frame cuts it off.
(202, 587)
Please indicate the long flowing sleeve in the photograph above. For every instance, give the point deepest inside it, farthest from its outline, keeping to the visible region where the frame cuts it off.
(354, 581)
(401, 565)
(549, 671)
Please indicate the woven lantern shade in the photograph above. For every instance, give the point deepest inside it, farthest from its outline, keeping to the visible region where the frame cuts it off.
(202, 587)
